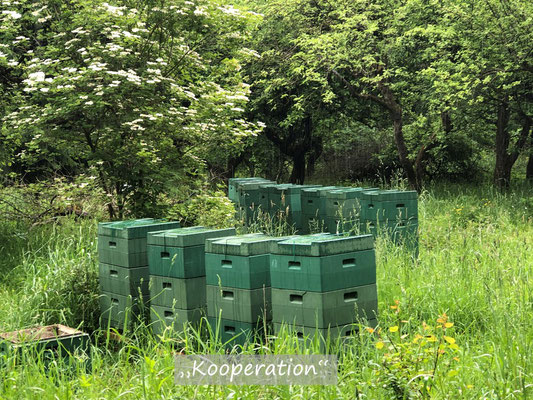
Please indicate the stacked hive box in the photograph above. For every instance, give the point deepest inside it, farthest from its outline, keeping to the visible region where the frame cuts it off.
(393, 212)
(287, 199)
(323, 282)
(234, 185)
(313, 205)
(343, 209)
(238, 285)
(123, 265)
(277, 198)
(177, 275)
(252, 199)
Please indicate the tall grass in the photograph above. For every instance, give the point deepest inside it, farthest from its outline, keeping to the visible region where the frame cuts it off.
(453, 324)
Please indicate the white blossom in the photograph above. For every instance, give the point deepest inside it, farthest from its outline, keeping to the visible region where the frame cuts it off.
(12, 14)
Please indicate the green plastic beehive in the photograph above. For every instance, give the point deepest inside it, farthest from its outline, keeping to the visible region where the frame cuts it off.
(322, 245)
(326, 338)
(323, 274)
(278, 198)
(134, 229)
(124, 281)
(335, 225)
(322, 310)
(245, 272)
(244, 245)
(313, 200)
(187, 237)
(171, 320)
(239, 304)
(345, 202)
(118, 311)
(176, 262)
(233, 186)
(178, 293)
(252, 198)
(235, 333)
(109, 255)
(403, 232)
(389, 205)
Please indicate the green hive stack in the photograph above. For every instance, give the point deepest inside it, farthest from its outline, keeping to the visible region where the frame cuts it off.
(177, 276)
(313, 206)
(392, 212)
(250, 199)
(343, 209)
(323, 282)
(286, 198)
(123, 265)
(238, 285)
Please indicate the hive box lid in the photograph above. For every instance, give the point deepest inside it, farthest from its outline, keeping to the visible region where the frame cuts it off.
(346, 193)
(278, 188)
(134, 229)
(185, 237)
(244, 245)
(390, 195)
(319, 190)
(323, 245)
(253, 185)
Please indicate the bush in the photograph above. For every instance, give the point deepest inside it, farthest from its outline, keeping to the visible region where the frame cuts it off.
(203, 206)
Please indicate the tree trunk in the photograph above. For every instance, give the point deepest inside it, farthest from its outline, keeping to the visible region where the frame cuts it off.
(314, 154)
(298, 168)
(502, 172)
(529, 167)
(422, 155)
(505, 160)
(403, 153)
(395, 110)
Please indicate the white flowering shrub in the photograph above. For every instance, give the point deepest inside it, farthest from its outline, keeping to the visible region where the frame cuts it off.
(135, 95)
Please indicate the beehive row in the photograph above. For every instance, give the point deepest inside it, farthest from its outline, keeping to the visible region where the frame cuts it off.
(330, 209)
(241, 283)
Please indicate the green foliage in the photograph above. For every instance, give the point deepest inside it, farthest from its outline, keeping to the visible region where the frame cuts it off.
(56, 280)
(205, 208)
(128, 94)
(43, 202)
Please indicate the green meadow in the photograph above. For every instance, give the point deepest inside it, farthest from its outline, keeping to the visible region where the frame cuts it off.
(455, 323)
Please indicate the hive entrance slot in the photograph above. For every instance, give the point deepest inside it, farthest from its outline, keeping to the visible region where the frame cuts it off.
(230, 330)
(350, 296)
(296, 298)
(295, 265)
(349, 262)
(226, 294)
